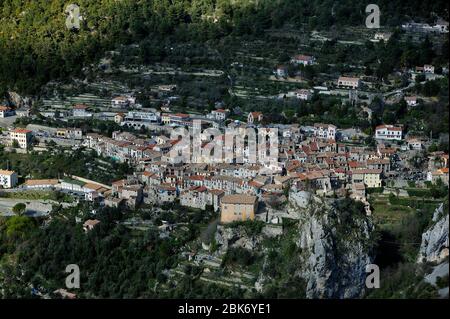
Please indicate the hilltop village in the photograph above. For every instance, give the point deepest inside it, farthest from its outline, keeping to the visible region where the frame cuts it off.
(339, 157)
(320, 158)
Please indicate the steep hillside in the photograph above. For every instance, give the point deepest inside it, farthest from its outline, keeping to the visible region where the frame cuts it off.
(36, 46)
(434, 246)
(324, 255)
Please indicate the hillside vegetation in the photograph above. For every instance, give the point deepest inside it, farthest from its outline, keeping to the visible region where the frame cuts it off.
(36, 46)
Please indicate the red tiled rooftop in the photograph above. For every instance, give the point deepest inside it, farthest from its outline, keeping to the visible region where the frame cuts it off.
(80, 107)
(21, 130)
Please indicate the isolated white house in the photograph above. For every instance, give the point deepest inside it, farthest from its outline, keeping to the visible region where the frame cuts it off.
(411, 100)
(388, 132)
(303, 59)
(303, 94)
(349, 82)
(8, 179)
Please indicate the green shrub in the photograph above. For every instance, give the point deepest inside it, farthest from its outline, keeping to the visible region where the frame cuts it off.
(442, 282)
(375, 190)
(238, 256)
(417, 192)
(251, 227)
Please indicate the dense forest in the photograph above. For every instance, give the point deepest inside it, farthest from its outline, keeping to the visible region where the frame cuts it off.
(116, 262)
(36, 46)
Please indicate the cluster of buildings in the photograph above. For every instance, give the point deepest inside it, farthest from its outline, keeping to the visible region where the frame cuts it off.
(300, 59)
(354, 82)
(427, 71)
(345, 82)
(23, 138)
(150, 118)
(86, 189)
(438, 166)
(309, 158)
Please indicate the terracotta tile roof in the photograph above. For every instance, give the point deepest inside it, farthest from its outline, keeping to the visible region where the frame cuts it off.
(196, 178)
(302, 57)
(91, 222)
(347, 78)
(216, 191)
(389, 127)
(80, 107)
(182, 115)
(34, 182)
(7, 173)
(21, 131)
(367, 171)
(255, 184)
(119, 182)
(93, 186)
(239, 199)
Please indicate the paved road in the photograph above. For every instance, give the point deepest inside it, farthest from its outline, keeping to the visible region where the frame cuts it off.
(60, 141)
(34, 207)
(7, 121)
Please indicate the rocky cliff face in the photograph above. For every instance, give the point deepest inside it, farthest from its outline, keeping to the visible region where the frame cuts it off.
(18, 101)
(336, 248)
(434, 246)
(334, 241)
(235, 237)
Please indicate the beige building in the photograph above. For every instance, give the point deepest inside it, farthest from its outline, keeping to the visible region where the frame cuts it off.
(441, 174)
(133, 195)
(370, 177)
(238, 207)
(119, 117)
(358, 191)
(349, 82)
(22, 136)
